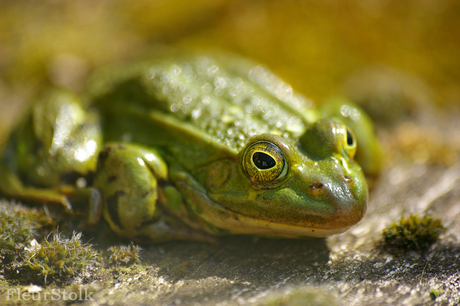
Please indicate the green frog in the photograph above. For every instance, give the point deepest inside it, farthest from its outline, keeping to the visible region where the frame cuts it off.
(188, 146)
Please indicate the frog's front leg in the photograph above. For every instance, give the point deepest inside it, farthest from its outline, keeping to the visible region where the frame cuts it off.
(138, 201)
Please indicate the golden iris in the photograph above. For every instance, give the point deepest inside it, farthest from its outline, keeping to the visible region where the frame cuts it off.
(350, 144)
(347, 139)
(264, 162)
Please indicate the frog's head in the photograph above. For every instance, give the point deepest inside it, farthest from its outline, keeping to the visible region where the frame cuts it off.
(280, 188)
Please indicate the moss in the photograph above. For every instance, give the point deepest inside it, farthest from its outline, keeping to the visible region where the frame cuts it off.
(125, 255)
(55, 260)
(412, 234)
(434, 293)
(27, 257)
(18, 226)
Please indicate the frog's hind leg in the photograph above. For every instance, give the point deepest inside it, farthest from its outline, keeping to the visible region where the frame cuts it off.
(53, 146)
(13, 188)
(130, 179)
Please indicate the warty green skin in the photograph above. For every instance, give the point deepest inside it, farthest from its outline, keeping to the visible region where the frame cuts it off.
(171, 165)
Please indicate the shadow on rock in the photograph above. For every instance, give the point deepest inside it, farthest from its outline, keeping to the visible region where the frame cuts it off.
(239, 258)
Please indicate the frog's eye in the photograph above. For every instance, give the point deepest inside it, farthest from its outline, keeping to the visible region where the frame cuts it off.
(349, 144)
(264, 161)
(350, 139)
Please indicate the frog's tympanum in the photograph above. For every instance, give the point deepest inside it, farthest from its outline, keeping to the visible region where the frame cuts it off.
(185, 147)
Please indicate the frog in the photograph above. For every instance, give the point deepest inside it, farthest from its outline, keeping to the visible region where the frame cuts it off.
(188, 146)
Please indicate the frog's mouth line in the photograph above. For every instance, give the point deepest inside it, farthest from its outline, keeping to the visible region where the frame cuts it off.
(225, 219)
(248, 225)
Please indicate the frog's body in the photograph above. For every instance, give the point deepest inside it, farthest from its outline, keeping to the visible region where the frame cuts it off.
(196, 146)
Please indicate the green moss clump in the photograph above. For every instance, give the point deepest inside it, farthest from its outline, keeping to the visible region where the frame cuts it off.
(125, 255)
(54, 260)
(18, 226)
(434, 293)
(412, 234)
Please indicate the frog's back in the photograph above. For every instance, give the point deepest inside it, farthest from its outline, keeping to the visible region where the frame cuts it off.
(224, 98)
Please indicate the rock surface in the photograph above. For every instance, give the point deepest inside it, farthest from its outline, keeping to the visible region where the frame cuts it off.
(353, 268)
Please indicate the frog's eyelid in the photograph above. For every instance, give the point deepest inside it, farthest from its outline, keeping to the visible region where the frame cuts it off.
(284, 171)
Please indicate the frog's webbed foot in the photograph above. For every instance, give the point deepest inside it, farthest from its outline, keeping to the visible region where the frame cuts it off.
(137, 198)
(13, 188)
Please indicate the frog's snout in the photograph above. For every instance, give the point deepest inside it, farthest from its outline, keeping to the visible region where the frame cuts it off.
(340, 191)
(340, 200)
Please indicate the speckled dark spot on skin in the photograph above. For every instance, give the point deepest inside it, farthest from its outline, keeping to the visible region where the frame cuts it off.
(163, 183)
(112, 207)
(104, 154)
(112, 178)
(148, 192)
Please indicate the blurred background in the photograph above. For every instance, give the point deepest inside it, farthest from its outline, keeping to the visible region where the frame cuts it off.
(406, 51)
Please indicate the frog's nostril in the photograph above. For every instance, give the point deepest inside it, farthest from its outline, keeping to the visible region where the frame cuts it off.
(316, 189)
(317, 186)
(349, 180)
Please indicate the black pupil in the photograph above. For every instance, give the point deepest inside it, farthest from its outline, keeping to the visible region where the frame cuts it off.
(263, 161)
(349, 138)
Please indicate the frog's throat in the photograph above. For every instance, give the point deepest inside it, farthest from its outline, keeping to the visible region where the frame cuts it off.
(222, 218)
